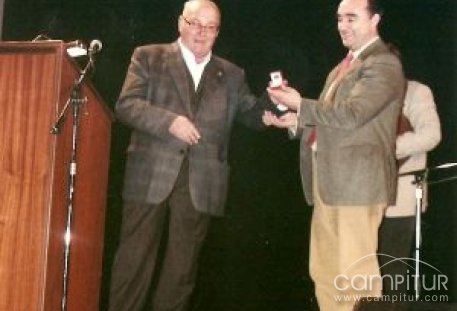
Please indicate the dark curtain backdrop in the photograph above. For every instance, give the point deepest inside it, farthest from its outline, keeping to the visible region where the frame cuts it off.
(256, 257)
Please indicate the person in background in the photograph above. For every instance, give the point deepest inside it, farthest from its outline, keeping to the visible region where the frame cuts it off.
(347, 156)
(419, 132)
(180, 101)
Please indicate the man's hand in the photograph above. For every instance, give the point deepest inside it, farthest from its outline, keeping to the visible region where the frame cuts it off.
(285, 95)
(287, 120)
(183, 129)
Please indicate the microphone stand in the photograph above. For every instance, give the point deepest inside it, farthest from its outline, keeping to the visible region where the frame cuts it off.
(420, 179)
(75, 100)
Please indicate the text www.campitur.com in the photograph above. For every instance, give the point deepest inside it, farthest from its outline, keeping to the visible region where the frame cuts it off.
(393, 298)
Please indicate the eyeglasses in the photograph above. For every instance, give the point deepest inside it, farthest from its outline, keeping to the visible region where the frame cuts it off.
(196, 25)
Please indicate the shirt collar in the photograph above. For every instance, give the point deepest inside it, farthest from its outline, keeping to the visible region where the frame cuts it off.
(356, 53)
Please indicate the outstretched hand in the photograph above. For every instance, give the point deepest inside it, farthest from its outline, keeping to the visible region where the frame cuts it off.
(287, 120)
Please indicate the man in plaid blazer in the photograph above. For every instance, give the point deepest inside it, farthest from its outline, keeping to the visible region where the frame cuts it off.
(181, 102)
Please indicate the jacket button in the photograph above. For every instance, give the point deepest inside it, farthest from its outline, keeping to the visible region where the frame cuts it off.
(183, 151)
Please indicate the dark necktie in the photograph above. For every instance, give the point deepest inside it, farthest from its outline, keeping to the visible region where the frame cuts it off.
(195, 94)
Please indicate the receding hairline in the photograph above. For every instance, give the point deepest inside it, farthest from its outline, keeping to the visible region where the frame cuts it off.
(193, 5)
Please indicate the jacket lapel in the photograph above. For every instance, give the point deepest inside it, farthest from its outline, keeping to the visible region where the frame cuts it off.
(178, 71)
(328, 83)
(334, 79)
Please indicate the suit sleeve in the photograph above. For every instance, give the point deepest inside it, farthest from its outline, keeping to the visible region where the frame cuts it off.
(135, 105)
(250, 107)
(378, 82)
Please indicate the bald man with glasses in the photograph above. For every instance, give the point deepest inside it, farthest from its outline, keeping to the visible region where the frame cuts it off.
(180, 101)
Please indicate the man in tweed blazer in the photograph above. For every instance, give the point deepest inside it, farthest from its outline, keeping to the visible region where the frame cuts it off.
(181, 102)
(349, 171)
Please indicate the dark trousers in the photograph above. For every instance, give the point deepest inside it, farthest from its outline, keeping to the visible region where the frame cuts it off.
(396, 236)
(136, 259)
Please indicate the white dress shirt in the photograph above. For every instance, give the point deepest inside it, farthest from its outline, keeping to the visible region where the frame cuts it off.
(195, 69)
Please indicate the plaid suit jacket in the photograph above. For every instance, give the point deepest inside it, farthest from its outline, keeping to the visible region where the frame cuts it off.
(356, 121)
(155, 92)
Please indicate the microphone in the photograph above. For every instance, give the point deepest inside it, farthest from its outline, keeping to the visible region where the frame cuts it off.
(95, 46)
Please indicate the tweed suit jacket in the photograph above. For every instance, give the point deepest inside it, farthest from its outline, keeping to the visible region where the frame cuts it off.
(156, 90)
(356, 130)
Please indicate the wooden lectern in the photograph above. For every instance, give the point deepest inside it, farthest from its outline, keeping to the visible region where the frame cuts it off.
(36, 79)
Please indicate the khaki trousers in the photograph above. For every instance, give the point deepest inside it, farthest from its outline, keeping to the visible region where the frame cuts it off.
(343, 246)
